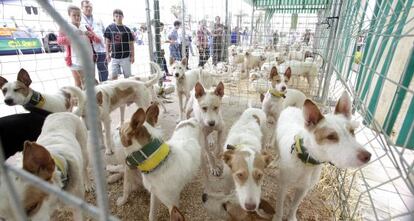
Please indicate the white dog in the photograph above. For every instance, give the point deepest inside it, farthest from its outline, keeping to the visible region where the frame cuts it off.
(308, 70)
(59, 157)
(243, 157)
(118, 94)
(166, 167)
(20, 93)
(252, 61)
(206, 106)
(186, 80)
(273, 101)
(307, 139)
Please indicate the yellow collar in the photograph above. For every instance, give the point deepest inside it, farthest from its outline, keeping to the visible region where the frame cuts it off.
(36, 100)
(276, 93)
(150, 157)
(60, 164)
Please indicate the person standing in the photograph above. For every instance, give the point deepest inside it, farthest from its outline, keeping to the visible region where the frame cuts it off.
(98, 28)
(175, 49)
(217, 33)
(119, 46)
(72, 57)
(307, 37)
(275, 39)
(202, 40)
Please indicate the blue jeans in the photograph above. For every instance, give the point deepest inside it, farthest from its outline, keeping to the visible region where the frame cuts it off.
(102, 66)
(175, 52)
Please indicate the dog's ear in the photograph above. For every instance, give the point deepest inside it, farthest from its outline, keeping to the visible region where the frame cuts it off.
(24, 77)
(262, 96)
(219, 90)
(199, 90)
(288, 73)
(37, 160)
(267, 157)
(344, 105)
(176, 215)
(3, 81)
(273, 73)
(138, 118)
(228, 156)
(99, 98)
(184, 61)
(311, 113)
(125, 136)
(152, 114)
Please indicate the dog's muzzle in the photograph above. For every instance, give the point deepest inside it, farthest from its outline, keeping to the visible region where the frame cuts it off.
(177, 75)
(9, 102)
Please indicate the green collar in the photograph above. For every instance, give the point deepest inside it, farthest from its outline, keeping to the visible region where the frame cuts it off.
(36, 100)
(149, 157)
(276, 93)
(62, 168)
(302, 152)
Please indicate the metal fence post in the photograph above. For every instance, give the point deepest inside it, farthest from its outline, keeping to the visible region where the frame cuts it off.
(157, 35)
(331, 45)
(251, 26)
(149, 29)
(184, 40)
(92, 107)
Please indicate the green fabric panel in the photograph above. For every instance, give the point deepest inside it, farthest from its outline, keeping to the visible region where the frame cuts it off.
(390, 54)
(374, 60)
(370, 37)
(348, 32)
(399, 96)
(403, 136)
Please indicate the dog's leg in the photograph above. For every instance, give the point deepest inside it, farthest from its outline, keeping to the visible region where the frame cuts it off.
(281, 195)
(187, 98)
(180, 104)
(108, 137)
(114, 177)
(82, 137)
(122, 114)
(128, 186)
(112, 168)
(300, 193)
(78, 191)
(214, 170)
(154, 204)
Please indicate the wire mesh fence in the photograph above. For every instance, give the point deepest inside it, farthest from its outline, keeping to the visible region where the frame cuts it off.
(363, 47)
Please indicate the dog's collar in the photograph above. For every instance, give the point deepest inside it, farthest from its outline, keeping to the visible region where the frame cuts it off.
(60, 164)
(302, 152)
(36, 100)
(149, 157)
(276, 93)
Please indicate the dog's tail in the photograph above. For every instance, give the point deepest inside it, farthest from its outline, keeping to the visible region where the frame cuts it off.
(156, 77)
(77, 92)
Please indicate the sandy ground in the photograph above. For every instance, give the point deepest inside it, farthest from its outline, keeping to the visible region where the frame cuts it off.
(314, 207)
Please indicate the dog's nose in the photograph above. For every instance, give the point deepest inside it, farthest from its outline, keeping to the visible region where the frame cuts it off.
(204, 197)
(250, 206)
(364, 156)
(283, 88)
(8, 101)
(176, 74)
(211, 123)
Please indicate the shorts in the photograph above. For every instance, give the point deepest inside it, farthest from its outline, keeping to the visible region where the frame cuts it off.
(121, 66)
(76, 67)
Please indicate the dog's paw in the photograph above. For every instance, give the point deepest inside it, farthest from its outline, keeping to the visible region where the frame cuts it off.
(108, 152)
(89, 187)
(114, 178)
(216, 171)
(121, 201)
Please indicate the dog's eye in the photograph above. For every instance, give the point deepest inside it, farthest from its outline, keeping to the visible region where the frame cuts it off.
(286, 81)
(16, 89)
(31, 209)
(257, 175)
(204, 109)
(241, 176)
(352, 131)
(332, 137)
(4, 90)
(278, 81)
(215, 108)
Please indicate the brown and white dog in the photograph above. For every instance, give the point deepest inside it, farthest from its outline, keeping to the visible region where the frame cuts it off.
(118, 94)
(244, 159)
(59, 157)
(168, 166)
(20, 93)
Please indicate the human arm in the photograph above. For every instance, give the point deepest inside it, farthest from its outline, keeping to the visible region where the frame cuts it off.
(132, 53)
(62, 39)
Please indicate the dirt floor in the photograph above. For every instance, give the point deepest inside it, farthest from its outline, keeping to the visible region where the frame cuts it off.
(314, 207)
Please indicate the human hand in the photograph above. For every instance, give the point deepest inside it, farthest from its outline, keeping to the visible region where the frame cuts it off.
(132, 59)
